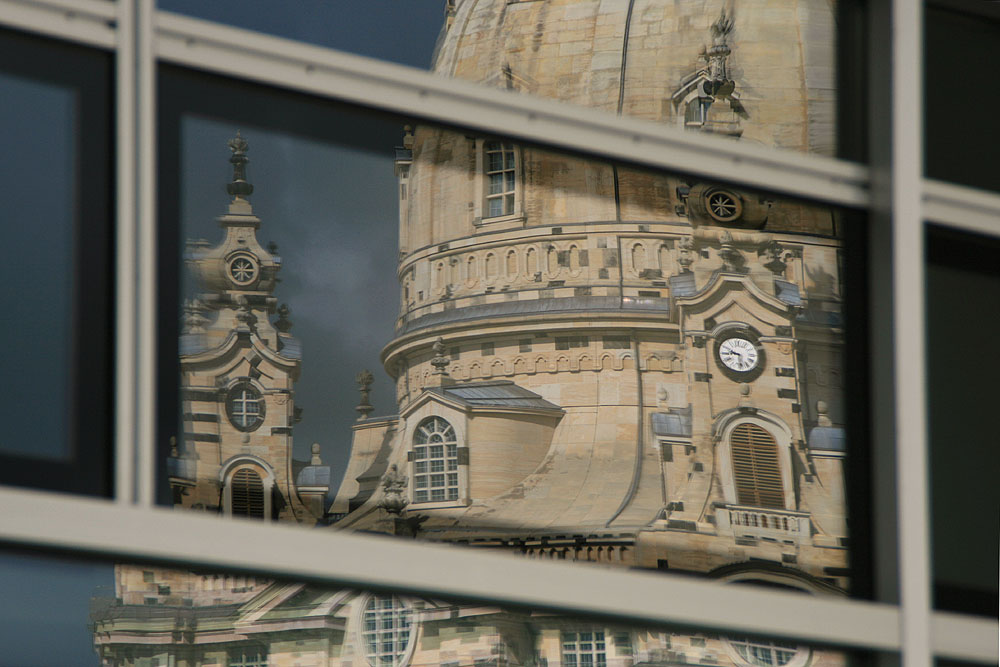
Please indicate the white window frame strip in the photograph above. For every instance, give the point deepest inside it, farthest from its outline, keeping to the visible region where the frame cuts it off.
(410, 92)
(89, 527)
(89, 22)
(126, 244)
(909, 362)
(144, 533)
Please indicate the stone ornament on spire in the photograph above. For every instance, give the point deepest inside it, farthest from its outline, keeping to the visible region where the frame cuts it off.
(718, 55)
(239, 187)
(440, 360)
(394, 483)
(364, 380)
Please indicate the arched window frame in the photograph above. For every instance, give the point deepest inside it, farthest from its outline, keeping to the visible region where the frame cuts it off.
(744, 658)
(456, 463)
(228, 471)
(361, 621)
(783, 439)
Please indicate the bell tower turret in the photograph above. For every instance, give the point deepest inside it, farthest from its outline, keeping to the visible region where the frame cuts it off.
(238, 371)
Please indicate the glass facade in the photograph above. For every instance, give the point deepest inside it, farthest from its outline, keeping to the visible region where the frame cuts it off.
(727, 425)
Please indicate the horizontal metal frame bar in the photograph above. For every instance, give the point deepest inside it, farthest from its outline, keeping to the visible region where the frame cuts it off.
(420, 94)
(100, 528)
(961, 207)
(90, 22)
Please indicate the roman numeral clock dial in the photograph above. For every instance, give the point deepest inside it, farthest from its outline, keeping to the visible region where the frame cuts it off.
(739, 357)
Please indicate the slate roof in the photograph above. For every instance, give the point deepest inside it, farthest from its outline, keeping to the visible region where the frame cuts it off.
(498, 393)
(683, 284)
(787, 292)
(676, 422)
(528, 306)
(828, 438)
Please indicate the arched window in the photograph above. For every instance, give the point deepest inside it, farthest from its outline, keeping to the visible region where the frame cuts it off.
(385, 631)
(765, 653)
(511, 265)
(491, 266)
(435, 462)
(574, 259)
(470, 272)
(756, 468)
(247, 494)
(553, 260)
(664, 257)
(638, 258)
(531, 262)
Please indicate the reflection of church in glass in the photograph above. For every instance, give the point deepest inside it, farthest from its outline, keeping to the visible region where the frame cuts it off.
(592, 363)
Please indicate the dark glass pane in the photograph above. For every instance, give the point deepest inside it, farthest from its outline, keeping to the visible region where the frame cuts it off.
(727, 322)
(47, 607)
(375, 28)
(777, 74)
(56, 363)
(960, 138)
(963, 297)
(309, 625)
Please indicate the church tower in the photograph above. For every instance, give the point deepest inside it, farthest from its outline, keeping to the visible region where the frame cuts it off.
(238, 370)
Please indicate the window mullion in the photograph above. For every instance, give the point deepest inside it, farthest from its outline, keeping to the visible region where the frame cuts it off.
(908, 334)
(125, 257)
(145, 70)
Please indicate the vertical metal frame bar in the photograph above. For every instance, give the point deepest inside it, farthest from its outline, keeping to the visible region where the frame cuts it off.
(910, 420)
(145, 442)
(125, 266)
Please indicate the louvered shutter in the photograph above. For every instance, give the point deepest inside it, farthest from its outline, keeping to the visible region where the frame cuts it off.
(247, 494)
(756, 471)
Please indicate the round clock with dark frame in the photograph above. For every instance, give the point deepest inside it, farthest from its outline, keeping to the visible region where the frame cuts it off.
(739, 354)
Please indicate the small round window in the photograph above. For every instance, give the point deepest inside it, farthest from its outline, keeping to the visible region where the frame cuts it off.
(243, 269)
(245, 406)
(723, 206)
(386, 632)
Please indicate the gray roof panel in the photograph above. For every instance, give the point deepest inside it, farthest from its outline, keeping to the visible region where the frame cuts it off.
(503, 393)
(547, 305)
(676, 422)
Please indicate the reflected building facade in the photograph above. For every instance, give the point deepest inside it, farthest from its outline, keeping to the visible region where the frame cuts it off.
(592, 362)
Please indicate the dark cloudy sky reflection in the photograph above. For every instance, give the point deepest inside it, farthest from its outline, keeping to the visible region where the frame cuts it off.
(333, 213)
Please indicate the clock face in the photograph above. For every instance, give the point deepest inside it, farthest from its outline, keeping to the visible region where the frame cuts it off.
(738, 354)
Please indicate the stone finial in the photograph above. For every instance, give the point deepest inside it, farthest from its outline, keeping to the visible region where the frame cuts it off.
(450, 10)
(685, 255)
(440, 360)
(272, 247)
(408, 137)
(364, 380)
(173, 447)
(731, 257)
(508, 76)
(394, 483)
(822, 418)
(194, 319)
(315, 460)
(283, 324)
(662, 395)
(244, 314)
(239, 187)
(718, 54)
(773, 252)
